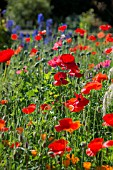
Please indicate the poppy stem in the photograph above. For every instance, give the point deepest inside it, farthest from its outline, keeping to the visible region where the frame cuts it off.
(5, 71)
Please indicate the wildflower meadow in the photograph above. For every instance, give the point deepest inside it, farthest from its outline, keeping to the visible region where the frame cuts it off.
(56, 91)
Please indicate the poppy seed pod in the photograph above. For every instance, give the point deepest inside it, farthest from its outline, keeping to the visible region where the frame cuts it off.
(25, 52)
(60, 50)
(36, 65)
(82, 53)
(88, 53)
(64, 42)
(30, 60)
(51, 54)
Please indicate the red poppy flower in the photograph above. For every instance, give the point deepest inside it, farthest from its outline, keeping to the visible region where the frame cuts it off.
(60, 83)
(15, 145)
(62, 28)
(28, 110)
(90, 66)
(2, 123)
(80, 31)
(54, 62)
(5, 55)
(74, 108)
(81, 47)
(45, 106)
(60, 76)
(68, 125)
(18, 50)
(4, 129)
(38, 37)
(73, 49)
(109, 37)
(72, 67)
(93, 52)
(2, 126)
(57, 44)
(67, 58)
(101, 35)
(92, 38)
(58, 147)
(67, 61)
(60, 79)
(100, 77)
(80, 100)
(107, 144)
(94, 146)
(20, 130)
(104, 27)
(91, 86)
(33, 52)
(14, 36)
(27, 39)
(108, 118)
(42, 32)
(97, 43)
(108, 50)
(3, 102)
(90, 153)
(69, 40)
(76, 104)
(75, 72)
(8, 63)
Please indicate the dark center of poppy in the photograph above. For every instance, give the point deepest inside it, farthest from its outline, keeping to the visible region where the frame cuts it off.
(79, 98)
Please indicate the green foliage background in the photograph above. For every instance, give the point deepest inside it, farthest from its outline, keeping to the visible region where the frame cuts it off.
(22, 11)
(5, 40)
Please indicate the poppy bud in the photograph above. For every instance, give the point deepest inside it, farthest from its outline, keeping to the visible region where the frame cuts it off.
(67, 46)
(34, 134)
(88, 53)
(51, 54)
(2, 135)
(20, 138)
(15, 155)
(11, 128)
(37, 64)
(44, 145)
(51, 50)
(37, 53)
(59, 47)
(46, 52)
(78, 64)
(43, 136)
(108, 133)
(82, 53)
(25, 52)
(58, 38)
(34, 152)
(72, 53)
(60, 50)
(26, 144)
(43, 60)
(64, 43)
(83, 144)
